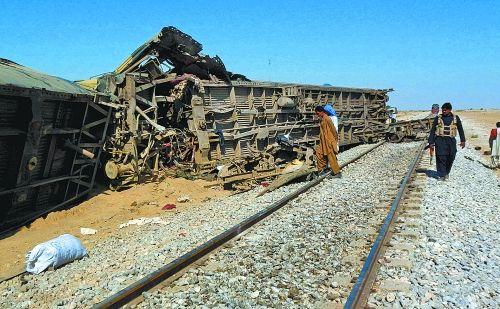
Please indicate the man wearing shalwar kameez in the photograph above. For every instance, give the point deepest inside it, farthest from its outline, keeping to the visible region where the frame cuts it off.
(327, 149)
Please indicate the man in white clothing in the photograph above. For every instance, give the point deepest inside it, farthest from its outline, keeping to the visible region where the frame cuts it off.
(332, 114)
(495, 145)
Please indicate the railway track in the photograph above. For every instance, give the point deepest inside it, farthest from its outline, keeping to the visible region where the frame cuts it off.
(165, 276)
(402, 221)
(173, 270)
(259, 268)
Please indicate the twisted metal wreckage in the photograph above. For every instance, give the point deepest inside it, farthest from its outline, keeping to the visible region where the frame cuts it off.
(197, 116)
(166, 107)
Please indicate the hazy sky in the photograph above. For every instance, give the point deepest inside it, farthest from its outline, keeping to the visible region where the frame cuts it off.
(428, 51)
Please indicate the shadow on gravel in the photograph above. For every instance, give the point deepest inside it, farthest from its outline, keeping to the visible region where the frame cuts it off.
(429, 173)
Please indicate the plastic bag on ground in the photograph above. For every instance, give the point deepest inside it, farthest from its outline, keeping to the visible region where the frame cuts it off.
(143, 221)
(87, 231)
(53, 253)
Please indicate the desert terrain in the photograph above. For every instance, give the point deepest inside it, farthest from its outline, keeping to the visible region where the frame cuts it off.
(477, 126)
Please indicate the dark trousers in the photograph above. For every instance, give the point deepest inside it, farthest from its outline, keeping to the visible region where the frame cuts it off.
(446, 149)
(444, 163)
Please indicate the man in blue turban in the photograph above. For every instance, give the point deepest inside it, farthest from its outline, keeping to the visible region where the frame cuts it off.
(332, 114)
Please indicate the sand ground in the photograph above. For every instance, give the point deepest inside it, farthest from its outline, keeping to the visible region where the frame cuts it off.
(104, 212)
(107, 209)
(477, 126)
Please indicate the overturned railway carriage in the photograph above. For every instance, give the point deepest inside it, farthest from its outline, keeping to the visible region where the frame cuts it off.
(229, 128)
(50, 137)
(250, 115)
(212, 122)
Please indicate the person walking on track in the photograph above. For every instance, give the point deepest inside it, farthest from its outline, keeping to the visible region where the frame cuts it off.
(442, 137)
(327, 149)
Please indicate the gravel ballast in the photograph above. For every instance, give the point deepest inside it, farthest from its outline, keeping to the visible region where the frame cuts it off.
(297, 257)
(300, 256)
(456, 260)
(135, 251)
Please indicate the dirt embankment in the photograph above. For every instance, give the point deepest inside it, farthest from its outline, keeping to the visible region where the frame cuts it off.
(104, 212)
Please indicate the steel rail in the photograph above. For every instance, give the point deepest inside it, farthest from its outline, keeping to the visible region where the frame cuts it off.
(361, 289)
(134, 290)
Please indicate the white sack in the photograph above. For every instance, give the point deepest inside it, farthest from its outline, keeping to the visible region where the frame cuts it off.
(55, 252)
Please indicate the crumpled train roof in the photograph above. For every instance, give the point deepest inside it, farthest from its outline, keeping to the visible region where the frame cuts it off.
(13, 74)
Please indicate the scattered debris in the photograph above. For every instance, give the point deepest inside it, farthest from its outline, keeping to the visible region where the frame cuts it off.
(183, 199)
(265, 184)
(168, 207)
(143, 221)
(302, 171)
(87, 231)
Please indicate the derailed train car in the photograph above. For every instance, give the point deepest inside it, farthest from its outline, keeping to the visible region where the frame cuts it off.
(175, 108)
(229, 128)
(51, 135)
